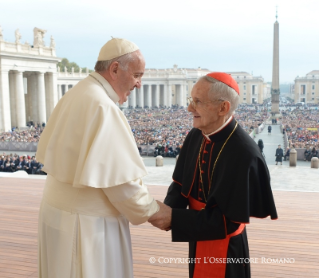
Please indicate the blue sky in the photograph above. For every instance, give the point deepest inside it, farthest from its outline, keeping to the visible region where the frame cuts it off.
(218, 35)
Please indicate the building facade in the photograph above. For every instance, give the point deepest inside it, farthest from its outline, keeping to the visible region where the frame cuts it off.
(31, 84)
(28, 81)
(306, 89)
(252, 88)
(172, 87)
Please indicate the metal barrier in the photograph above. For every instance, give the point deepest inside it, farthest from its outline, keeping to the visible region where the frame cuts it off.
(18, 146)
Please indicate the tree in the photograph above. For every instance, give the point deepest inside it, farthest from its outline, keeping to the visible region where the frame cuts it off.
(69, 65)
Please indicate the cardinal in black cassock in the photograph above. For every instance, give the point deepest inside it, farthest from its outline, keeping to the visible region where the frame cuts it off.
(220, 180)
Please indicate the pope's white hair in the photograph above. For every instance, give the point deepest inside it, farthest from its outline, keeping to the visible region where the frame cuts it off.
(219, 90)
(123, 61)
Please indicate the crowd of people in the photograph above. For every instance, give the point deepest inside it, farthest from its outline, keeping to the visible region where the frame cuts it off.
(170, 126)
(167, 128)
(31, 134)
(301, 127)
(159, 126)
(309, 153)
(12, 163)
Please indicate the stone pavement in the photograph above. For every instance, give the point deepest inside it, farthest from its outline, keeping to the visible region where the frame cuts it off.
(299, 178)
(271, 142)
(283, 177)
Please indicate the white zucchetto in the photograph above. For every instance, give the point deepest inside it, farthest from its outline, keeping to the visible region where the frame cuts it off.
(115, 48)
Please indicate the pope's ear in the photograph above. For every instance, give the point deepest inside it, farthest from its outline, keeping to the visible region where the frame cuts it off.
(113, 70)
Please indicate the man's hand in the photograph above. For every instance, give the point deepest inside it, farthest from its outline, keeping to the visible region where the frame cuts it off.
(162, 219)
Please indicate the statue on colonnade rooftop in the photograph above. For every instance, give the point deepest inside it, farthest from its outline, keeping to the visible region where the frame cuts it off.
(38, 37)
(17, 35)
(52, 43)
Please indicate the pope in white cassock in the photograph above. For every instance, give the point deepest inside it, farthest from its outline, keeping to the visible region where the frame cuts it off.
(94, 186)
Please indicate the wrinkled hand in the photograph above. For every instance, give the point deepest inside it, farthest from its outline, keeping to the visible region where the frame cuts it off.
(162, 219)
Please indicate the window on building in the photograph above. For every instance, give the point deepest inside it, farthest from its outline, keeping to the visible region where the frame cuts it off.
(245, 93)
(303, 89)
(244, 87)
(313, 87)
(313, 93)
(253, 89)
(313, 98)
(244, 98)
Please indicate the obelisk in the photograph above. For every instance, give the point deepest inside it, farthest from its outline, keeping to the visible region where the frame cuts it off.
(275, 91)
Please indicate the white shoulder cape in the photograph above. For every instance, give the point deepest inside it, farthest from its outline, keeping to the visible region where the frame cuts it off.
(88, 141)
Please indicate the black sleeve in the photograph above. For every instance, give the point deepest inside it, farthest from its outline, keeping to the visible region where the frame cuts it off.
(191, 225)
(174, 198)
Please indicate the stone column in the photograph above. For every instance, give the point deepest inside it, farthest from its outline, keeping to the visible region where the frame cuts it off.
(63, 90)
(50, 93)
(156, 96)
(12, 92)
(41, 98)
(162, 95)
(145, 95)
(32, 90)
(28, 102)
(66, 88)
(149, 96)
(5, 114)
(141, 97)
(29, 99)
(165, 97)
(132, 98)
(59, 92)
(184, 100)
(169, 96)
(47, 96)
(20, 100)
(179, 95)
(55, 97)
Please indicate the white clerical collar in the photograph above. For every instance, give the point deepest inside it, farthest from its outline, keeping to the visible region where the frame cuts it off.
(219, 129)
(106, 85)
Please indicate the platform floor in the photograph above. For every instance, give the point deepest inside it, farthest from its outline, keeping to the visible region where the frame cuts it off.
(294, 235)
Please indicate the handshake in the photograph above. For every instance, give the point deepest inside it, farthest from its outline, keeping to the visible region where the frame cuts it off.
(162, 219)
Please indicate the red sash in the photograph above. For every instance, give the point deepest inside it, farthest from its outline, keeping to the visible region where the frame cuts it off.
(212, 253)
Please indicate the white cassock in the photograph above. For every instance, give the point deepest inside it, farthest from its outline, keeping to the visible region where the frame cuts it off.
(93, 188)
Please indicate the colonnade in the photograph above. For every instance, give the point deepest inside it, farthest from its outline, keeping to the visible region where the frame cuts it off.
(63, 88)
(27, 96)
(158, 95)
(32, 95)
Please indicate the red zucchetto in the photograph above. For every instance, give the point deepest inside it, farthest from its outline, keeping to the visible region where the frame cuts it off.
(226, 79)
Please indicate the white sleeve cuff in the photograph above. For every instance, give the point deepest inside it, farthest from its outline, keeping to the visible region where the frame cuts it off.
(133, 200)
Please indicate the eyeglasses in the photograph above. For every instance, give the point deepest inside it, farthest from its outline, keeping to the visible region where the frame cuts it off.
(198, 103)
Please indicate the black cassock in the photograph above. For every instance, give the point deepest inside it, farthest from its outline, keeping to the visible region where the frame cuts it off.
(240, 188)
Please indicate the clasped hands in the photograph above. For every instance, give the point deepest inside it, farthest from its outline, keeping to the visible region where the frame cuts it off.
(163, 218)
